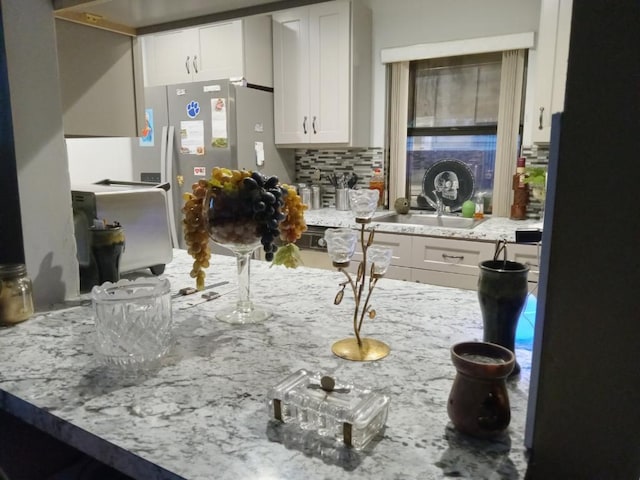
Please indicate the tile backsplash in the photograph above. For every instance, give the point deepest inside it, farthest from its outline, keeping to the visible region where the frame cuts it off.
(536, 156)
(360, 161)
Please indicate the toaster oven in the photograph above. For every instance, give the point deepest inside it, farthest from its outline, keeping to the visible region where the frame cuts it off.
(142, 211)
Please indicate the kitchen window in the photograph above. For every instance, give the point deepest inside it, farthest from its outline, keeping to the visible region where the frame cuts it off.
(454, 128)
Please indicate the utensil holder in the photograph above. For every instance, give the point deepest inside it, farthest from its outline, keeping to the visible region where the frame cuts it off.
(342, 199)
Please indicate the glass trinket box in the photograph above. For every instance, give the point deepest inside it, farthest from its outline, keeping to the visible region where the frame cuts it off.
(351, 414)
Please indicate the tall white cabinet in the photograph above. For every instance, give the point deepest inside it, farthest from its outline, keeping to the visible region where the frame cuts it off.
(552, 52)
(322, 74)
(235, 48)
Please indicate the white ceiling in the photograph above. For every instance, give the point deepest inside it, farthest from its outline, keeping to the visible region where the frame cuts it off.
(146, 13)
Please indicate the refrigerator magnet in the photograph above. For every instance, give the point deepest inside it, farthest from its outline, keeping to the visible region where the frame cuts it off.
(200, 171)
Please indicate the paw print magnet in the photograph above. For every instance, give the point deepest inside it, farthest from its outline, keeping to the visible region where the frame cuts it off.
(193, 109)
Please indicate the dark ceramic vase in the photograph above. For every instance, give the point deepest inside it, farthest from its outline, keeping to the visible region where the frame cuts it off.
(479, 402)
(502, 292)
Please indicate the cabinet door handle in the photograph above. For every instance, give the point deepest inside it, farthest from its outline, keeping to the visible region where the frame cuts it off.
(195, 64)
(304, 125)
(313, 124)
(452, 257)
(186, 65)
(540, 118)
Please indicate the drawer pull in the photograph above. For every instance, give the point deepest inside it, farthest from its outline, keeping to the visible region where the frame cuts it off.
(452, 257)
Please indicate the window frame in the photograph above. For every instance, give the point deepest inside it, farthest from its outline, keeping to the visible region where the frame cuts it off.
(397, 56)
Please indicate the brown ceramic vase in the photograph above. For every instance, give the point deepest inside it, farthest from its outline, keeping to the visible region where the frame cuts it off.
(478, 402)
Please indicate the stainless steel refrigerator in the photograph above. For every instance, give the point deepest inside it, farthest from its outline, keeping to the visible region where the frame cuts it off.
(194, 127)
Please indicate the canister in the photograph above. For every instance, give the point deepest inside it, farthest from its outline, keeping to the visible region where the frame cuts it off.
(315, 197)
(305, 194)
(342, 199)
(16, 299)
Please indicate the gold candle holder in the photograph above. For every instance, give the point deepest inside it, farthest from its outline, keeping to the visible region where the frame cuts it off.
(341, 247)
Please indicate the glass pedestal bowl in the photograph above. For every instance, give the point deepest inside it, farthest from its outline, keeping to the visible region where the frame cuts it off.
(230, 225)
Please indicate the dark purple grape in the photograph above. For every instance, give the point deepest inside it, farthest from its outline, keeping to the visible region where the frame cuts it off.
(250, 183)
(258, 177)
(259, 207)
(271, 182)
(268, 257)
(268, 197)
(272, 223)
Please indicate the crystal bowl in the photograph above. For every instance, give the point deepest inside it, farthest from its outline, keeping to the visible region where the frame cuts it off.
(133, 321)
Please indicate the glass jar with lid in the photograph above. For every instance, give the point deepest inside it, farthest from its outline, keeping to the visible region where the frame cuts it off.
(16, 299)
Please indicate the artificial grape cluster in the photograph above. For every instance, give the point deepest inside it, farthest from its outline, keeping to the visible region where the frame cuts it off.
(293, 225)
(241, 208)
(195, 231)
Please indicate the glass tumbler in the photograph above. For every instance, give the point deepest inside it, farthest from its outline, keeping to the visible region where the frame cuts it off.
(133, 321)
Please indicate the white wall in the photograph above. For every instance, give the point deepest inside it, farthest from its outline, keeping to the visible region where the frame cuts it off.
(41, 160)
(94, 159)
(408, 22)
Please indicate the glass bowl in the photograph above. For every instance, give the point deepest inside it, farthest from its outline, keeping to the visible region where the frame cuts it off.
(133, 321)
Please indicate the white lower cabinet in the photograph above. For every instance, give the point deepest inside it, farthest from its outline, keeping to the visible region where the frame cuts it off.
(444, 261)
(400, 258)
(449, 255)
(456, 280)
(528, 255)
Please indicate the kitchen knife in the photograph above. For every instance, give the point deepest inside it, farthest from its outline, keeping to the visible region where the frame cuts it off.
(191, 290)
(207, 297)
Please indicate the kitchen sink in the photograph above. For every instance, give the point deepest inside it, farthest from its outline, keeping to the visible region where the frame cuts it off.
(430, 220)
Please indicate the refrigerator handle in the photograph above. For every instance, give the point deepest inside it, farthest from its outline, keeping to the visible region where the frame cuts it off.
(167, 159)
(195, 63)
(186, 64)
(163, 156)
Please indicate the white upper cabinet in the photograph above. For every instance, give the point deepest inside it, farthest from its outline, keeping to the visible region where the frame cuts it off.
(320, 54)
(552, 52)
(237, 48)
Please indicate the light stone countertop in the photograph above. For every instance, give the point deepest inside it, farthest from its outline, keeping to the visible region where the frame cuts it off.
(493, 228)
(203, 414)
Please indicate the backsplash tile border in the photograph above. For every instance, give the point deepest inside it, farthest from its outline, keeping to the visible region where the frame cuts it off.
(535, 156)
(360, 161)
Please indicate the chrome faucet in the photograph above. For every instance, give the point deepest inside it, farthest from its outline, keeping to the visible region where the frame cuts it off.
(439, 204)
